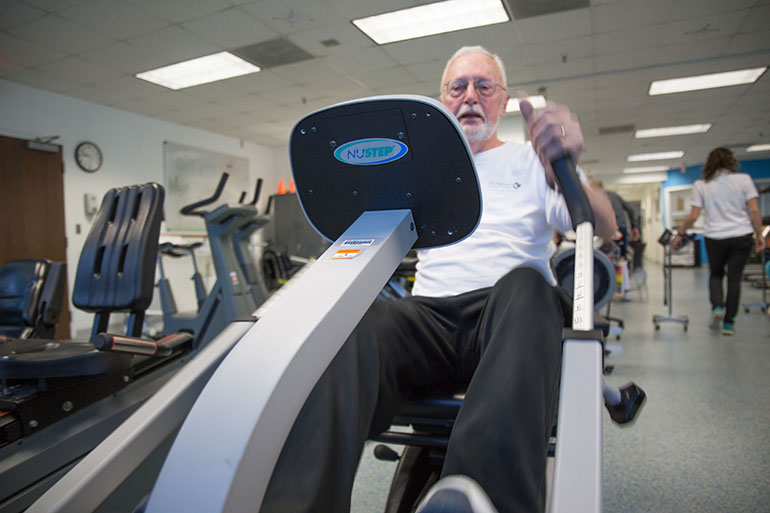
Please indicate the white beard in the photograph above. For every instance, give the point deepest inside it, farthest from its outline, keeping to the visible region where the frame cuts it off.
(477, 132)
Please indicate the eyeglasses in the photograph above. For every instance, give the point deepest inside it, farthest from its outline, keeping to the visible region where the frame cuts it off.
(482, 86)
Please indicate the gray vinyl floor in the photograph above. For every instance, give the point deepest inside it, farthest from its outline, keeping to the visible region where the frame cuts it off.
(702, 441)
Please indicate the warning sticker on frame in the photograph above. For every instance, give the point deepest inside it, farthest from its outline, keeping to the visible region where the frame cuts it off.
(346, 254)
(358, 242)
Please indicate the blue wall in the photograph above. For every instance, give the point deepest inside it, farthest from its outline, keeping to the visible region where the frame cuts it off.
(757, 169)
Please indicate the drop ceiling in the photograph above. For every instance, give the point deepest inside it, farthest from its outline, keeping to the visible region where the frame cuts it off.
(597, 57)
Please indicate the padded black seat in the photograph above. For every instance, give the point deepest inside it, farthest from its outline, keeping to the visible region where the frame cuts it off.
(40, 359)
(31, 294)
(115, 273)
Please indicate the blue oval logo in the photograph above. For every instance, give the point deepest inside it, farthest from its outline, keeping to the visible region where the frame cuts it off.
(370, 152)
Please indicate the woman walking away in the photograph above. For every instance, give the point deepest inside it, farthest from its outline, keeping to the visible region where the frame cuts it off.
(730, 201)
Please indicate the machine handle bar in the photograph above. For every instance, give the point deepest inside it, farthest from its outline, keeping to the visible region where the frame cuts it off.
(571, 188)
(191, 209)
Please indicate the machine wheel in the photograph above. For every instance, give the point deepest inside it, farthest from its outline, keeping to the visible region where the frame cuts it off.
(657, 327)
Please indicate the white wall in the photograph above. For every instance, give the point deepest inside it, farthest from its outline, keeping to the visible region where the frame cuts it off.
(133, 153)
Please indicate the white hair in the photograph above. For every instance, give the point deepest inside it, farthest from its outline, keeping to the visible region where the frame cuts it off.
(474, 50)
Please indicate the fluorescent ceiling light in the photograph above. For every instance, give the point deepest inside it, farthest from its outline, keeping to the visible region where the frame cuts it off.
(537, 101)
(647, 169)
(431, 19)
(646, 178)
(210, 68)
(655, 156)
(672, 130)
(728, 78)
(758, 147)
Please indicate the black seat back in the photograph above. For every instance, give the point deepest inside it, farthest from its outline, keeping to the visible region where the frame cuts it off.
(116, 271)
(21, 286)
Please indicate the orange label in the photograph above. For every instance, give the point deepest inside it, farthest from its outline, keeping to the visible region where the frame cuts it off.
(346, 254)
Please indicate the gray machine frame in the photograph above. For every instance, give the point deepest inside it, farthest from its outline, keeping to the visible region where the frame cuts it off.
(229, 472)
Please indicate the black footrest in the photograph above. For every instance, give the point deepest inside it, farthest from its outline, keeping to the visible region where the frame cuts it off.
(631, 401)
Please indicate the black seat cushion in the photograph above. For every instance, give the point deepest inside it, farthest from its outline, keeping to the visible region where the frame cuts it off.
(21, 283)
(36, 359)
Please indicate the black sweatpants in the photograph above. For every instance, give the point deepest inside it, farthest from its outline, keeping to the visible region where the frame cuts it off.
(733, 254)
(503, 342)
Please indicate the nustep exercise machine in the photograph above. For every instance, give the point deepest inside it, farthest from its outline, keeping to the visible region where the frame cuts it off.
(378, 176)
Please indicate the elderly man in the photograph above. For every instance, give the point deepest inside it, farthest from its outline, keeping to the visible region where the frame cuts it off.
(485, 314)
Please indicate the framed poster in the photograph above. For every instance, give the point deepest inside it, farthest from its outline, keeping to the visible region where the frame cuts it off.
(191, 175)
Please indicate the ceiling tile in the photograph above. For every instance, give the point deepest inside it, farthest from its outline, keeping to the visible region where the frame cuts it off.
(703, 28)
(142, 107)
(125, 57)
(78, 70)
(173, 100)
(757, 19)
(174, 43)
(265, 80)
(17, 54)
(46, 81)
(181, 10)
(15, 12)
(629, 60)
(94, 95)
(495, 38)
(419, 50)
(647, 37)
(54, 32)
(231, 28)
(288, 96)
(296, 17)
(386, 78)
(551, 51)
(681, 9)
(566, 25)
(52, 5)
(212, 91)
(130, 87)
(348, 37)
(427, 71)
(353, 9)
(304, 72)
(364, 60)
(623, 14)
(113, 17)
(561, 70)
(748, 42)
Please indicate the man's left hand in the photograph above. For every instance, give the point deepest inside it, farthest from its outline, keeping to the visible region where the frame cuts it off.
(554, 132)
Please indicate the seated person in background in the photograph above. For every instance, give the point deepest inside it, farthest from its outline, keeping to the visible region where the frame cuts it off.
(624, 216)
(486, 314)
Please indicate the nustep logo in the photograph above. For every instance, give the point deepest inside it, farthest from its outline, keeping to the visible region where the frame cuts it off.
(370, 152)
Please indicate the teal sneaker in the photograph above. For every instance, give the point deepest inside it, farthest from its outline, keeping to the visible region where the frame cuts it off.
(717, 314)
(728, 329)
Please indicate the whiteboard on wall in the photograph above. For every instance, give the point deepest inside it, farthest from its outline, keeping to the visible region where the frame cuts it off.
(192, 174)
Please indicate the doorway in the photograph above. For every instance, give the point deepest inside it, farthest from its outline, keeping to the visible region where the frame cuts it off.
(32, 208)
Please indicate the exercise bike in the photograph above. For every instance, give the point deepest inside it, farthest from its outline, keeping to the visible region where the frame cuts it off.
(231, 296)
(418, 189)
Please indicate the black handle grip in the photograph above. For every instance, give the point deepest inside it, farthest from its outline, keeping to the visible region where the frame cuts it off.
(256, 192)
(190, 210)
(572, 189)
